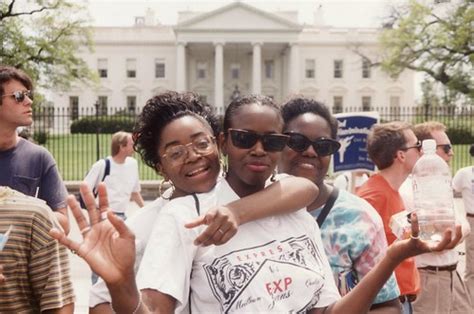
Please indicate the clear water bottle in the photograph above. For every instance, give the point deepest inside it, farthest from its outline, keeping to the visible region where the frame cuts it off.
(433, 194)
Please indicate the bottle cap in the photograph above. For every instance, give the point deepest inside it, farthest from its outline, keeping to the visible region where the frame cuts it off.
(429, 145)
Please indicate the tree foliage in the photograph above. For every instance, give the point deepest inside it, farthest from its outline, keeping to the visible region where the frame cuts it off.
(437, 40)
(43, 37)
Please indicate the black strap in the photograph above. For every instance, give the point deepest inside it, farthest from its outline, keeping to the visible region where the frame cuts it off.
(327, 207)
(106, 173)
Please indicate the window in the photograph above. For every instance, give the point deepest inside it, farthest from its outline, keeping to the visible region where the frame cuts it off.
(102, 109)
(201, 70)
(73, 107)
(338, 69)
(131, 68)
(102, 68)
(269, 69)
(366, 69)
(131, 104)
(366, 103)
(337, 104)
(235, 71)
(310, 66)
(395, 106)
(160, 68)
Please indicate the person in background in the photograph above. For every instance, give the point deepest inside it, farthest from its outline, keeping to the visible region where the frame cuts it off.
(394, 149)
(443, 290)
(352, 232)
(36, 275)
(25, 166)
(463, 182)
(122, 182)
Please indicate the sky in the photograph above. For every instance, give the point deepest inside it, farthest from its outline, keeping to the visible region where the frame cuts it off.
(338, 13)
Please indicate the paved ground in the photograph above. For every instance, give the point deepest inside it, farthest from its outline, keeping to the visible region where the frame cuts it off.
(81, 272)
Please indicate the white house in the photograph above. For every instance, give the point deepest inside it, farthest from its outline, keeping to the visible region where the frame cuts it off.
(237, 49)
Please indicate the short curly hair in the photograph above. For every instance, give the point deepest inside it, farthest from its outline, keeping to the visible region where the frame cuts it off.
(162, 109)
(300, 105)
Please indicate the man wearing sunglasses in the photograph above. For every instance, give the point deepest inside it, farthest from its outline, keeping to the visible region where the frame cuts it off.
(394, 148)
(24, 166)
(438, 272)
(31, 170)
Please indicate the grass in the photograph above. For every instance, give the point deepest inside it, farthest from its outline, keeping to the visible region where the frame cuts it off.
(75, 154)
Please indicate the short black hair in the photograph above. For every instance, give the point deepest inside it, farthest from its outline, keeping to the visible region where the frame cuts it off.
(471, 150)
(162, 109)
(301, 105)
(236, 104)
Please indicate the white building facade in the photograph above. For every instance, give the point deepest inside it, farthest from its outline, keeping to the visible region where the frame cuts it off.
(237, 49)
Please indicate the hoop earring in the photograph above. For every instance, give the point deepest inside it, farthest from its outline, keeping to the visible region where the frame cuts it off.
(163, 187)
(273, 177)
(224, 165)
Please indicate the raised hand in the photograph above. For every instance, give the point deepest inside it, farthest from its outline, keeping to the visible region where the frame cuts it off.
(108, 246)
(415, 246)
(221, 224)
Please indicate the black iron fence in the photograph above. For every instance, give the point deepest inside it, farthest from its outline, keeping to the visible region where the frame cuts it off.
(77, 138)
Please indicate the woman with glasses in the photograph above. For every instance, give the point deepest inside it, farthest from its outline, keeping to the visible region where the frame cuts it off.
(351, 229)
(274, 264)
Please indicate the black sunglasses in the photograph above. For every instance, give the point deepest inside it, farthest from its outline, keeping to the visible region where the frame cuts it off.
(446, 147)
(322, 146)
(417, 146)
(20, 95)
(247, 139)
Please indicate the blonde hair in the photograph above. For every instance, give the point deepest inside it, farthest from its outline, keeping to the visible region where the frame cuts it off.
(423, 130)
(119, 139)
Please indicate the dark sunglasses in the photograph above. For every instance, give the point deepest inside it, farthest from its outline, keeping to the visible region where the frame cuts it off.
(446, 147)
(20, 95)
(417, 146)
(247, 139)
(322, 146)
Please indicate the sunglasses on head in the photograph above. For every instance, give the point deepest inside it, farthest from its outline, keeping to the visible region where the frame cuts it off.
(247, 139)
(20, 95)
(446, 147)
(322, 146)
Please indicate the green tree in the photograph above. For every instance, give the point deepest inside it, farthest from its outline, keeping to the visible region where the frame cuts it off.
(43, 37)
(437, 40)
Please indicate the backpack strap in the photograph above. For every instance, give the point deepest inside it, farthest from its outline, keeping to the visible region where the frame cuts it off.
(106, 173)
(327, 207)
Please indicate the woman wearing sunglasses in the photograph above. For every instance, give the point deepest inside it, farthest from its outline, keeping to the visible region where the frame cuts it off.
(274, 264)
(352, 231)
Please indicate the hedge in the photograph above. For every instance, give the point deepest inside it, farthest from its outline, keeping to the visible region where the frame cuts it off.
(103, 124)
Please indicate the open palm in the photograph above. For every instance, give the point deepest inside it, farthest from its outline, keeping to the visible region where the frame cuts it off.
(108, 246)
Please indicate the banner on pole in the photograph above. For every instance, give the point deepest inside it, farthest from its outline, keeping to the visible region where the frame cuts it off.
(352, 134)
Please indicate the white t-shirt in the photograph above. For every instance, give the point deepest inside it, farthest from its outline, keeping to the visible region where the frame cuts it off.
(121, 182)
(141, 225)
(463, 182)
(275, 264)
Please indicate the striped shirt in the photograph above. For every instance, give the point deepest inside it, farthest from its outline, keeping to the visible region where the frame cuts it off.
(35, 266)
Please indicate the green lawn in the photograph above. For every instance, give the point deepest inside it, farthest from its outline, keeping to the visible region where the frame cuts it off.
(75, 154)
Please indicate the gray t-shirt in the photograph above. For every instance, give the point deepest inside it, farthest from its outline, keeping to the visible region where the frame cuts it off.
(31, 169)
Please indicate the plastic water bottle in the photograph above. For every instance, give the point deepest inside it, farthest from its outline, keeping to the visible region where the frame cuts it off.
(432, 194)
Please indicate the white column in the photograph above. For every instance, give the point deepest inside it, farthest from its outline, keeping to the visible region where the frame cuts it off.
(219, 77)
(257, 68)
(181, 67)
(294, 69)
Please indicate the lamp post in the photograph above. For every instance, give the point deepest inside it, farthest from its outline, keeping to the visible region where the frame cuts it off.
(97, 129)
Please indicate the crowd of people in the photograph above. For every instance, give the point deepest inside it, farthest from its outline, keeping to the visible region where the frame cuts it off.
(249, 223)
